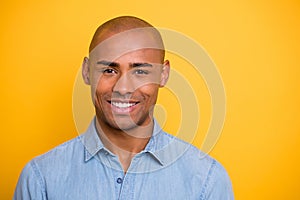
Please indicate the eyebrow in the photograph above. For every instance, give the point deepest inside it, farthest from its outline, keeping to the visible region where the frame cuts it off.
(114, 64)
(140, 65)
(108, 63)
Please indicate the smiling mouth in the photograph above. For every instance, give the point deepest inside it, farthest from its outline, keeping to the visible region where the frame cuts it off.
(123, 105)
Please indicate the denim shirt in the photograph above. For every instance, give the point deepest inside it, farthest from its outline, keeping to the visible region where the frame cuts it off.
(83, 169)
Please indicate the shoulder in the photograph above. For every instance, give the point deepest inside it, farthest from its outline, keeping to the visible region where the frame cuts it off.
(62, 151)
(31, 183)
(198, 161)
(55, 160)
(186, 152)
(58, 157)
(216, 183)
(199, 167)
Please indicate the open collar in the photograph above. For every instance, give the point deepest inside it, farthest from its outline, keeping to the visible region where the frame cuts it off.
(163, 147)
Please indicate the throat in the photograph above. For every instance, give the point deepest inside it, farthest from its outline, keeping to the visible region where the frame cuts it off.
(123, 144)
(125, 160)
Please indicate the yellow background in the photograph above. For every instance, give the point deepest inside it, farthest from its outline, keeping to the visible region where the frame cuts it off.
(254, 44)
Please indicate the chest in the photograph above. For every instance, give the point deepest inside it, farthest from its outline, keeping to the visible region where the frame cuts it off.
(106, 181)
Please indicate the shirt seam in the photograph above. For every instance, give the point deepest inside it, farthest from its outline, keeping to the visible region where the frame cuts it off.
(206, 183)
(39, 177)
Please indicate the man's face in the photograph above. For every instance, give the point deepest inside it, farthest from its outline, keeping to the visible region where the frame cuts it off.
(126, 86)
(127, 89)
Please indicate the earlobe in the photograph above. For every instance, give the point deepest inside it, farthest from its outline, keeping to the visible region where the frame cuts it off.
(86, 71)
(165, 73)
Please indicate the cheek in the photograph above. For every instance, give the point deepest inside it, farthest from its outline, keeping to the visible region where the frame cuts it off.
(103, 85)
(101, 88)
(150, 92)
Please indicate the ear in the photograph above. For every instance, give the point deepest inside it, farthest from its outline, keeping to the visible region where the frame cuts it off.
(86, 71)
(165, 73)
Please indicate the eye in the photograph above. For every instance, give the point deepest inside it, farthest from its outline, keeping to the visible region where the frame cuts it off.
(109, 71)
(140, 72)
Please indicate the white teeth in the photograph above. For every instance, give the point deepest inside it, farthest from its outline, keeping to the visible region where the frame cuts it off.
(122, 105)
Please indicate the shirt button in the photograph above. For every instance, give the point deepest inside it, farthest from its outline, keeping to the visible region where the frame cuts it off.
(119, 180)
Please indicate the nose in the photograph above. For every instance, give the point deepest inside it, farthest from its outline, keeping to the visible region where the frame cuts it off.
(124, 85)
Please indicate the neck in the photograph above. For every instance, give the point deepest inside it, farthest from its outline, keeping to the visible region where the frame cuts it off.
(124, 144)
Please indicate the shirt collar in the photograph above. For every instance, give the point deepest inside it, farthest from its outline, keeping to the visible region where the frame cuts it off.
(158, 146)
(91, 141)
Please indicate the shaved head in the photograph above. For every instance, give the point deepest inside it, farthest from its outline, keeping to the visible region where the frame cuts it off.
(122, 24)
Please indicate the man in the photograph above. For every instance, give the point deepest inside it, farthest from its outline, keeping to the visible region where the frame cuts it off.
(124, 154)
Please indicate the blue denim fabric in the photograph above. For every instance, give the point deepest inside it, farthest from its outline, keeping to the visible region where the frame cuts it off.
(83, 169)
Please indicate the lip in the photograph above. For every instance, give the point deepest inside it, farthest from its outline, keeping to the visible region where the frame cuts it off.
(123, 100)
(123, 106)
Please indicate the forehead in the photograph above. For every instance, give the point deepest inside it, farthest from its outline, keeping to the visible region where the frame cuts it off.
(152, 56)
(136, 41)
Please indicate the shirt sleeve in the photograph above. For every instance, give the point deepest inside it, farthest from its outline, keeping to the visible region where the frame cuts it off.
(30, 184)
(218, 184)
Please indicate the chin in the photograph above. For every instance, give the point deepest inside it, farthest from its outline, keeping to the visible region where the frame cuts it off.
(123, 122)
(120, 122)
(124, 126)
(128, 123)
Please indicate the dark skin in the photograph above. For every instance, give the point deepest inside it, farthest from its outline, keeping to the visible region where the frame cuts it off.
(125, 88)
